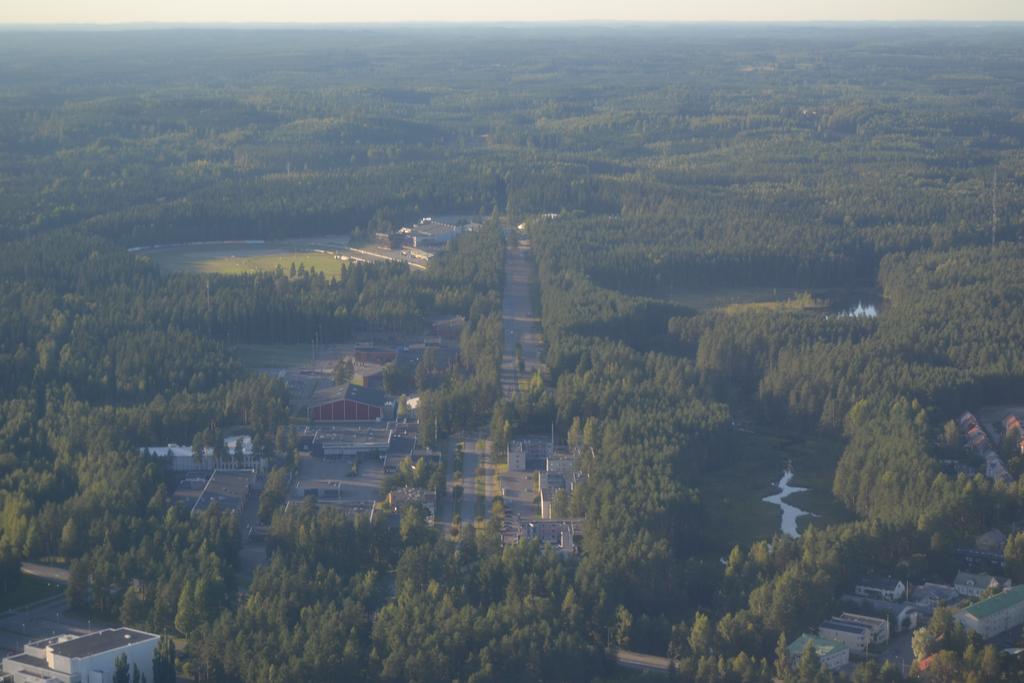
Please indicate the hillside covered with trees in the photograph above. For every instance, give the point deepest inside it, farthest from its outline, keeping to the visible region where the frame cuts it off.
(659, 172)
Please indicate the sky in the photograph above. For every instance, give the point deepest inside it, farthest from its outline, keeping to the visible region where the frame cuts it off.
(364, 11)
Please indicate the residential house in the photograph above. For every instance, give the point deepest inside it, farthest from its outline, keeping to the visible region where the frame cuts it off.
(973, 585)
(881, 588)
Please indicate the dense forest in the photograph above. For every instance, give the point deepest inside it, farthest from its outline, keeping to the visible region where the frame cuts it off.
(653, 167)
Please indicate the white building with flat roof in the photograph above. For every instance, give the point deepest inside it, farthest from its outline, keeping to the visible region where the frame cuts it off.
(87, 658)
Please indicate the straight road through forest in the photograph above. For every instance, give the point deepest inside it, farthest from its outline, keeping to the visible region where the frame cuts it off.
(520, 321)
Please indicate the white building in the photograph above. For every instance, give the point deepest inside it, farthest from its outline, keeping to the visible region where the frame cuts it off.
(852, 634)
(182, 458)
(879, 627)
(517, 457)
(973, 585)
(833, 654)
(548, 483)
(881, 588)
(994, 615)
(82, 659)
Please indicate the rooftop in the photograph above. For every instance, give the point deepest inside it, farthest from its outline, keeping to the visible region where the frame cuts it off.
(30, 661)
(995, 604)
(844, 625)
(228, 489)
(401, 445)
(100, 641)
(351, 392)
(968, 579)
(879, 583)
(822, 646)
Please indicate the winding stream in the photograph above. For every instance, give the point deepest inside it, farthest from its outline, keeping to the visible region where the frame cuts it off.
(789, 512)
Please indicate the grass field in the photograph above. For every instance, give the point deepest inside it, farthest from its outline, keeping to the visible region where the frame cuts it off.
(273, 355)
(29, 589)
(779, 299)
(239, 258)
(238, 265)
(732, 495)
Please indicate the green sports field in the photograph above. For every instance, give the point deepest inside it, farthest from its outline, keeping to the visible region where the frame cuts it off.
(240, 258)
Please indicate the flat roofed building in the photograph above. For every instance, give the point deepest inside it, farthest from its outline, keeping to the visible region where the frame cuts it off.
(833, 654)
(901, 616)
(561, 534)
(928, 596)
(854, 635)
(229, 490)
(82, 659)
(879, 627)
(994, 615)
(528, 455)
(548, 483)
(516, 457)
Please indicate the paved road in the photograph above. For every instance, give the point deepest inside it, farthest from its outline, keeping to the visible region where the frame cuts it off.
(639, 660)
(470, 462)
(45, 618)
(46, 572)
(519, 319)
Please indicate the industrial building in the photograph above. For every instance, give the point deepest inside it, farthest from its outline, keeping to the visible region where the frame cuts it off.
(82, 658)
(350, 403)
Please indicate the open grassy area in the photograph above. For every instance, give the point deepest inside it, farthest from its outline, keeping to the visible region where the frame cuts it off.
(29, 589)
(239, 258)
(732, 494)
(801, 302)
(273, 355)
(780, 299)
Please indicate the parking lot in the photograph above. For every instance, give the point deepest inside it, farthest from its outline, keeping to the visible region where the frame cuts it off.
(329, 474)
(520, 490)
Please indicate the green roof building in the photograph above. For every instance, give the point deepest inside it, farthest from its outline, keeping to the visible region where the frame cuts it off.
(833, 654)
(992, 616)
